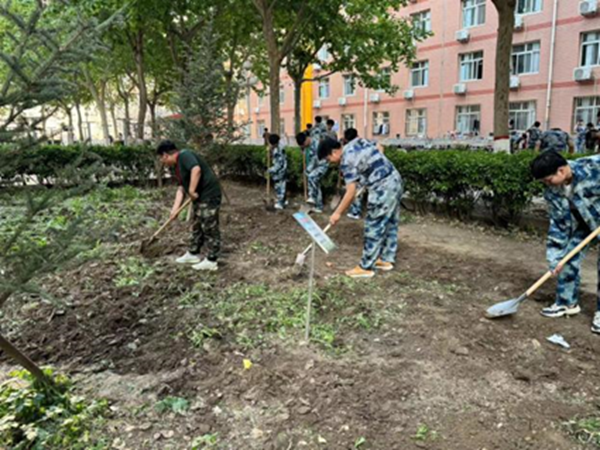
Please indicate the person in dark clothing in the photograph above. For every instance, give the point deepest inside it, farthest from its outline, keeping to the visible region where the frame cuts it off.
(197, 180)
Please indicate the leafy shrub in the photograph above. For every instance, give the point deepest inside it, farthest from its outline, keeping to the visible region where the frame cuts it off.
(33, 416)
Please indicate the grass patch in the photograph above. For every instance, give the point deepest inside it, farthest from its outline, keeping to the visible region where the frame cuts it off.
(251, 313)
(585, 430)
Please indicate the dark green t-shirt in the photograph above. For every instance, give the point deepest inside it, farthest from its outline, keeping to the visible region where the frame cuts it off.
(208, 188)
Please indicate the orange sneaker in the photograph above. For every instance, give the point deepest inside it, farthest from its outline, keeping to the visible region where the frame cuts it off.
(359, 272)
(382, 265)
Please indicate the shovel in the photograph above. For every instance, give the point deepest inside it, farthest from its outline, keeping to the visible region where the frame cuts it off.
(146, 242)
(509, 307)
(335, 200)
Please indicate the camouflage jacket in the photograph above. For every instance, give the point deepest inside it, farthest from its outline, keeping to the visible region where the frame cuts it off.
(318, 132)
(556, 140)
(585, 198)
(312, 159)
(364, 164)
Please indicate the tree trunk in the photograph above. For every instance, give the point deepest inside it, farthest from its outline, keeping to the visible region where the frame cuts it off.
(70, 134)
(113, 116)
(24, 361)
(506, 23)
(297, 105)
(274, 81)
(141, 79)
(79, 122)
(152, 108)
(98, 96)
(126, 125)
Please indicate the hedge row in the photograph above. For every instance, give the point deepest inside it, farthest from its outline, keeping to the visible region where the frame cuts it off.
(452, 180)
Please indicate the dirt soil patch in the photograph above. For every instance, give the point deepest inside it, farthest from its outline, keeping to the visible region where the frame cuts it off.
(433, 374)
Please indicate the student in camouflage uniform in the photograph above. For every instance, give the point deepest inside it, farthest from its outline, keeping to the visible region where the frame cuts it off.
(330, 132)
(556, 140)
(361, 162)
(534, 134)
(316, 169)
(278, 170)
(580, 131)
(573, 197)
(318, 132)
(197, 180)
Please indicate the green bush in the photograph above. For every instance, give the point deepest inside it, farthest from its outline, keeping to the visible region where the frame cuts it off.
(33, 416)
(452, 181)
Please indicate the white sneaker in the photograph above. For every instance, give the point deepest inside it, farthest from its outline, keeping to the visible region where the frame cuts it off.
(311, 201)
(556, 310)
(188, 258)
(596, 323)
(278, 206)
(206, 265)
(353, 216)
(318, 210)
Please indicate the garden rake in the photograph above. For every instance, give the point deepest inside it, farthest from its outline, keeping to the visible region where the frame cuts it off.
(145, 245)
(508, 307)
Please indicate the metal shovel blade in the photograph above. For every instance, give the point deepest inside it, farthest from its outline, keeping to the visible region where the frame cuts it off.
(300, 259)
(505, 308)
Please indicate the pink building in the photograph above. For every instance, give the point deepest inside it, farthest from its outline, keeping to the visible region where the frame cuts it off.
(555, 72)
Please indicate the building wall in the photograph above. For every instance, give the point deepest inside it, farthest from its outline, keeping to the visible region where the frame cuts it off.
(442, 51)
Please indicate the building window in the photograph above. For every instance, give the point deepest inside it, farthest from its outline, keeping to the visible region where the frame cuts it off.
(523, 115)
(381, 123)
(422, 21)
(416, 122)
(281, 94)
(468, 119)
(324, 88)
(261, 99)
(525, 58)
(471, 66)
(528, 6)
(386, 76)
(349, 85)
(473, 13)
(348, 121)
(590, 49)
(260, 128)
(587, 109)
(419, 74)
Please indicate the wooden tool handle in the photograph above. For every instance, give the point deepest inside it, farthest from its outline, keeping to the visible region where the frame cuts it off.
(171, 219)
(268, 173)
(563, 261)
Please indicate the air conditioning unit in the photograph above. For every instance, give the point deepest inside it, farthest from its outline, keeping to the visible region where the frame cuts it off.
(460, 89)
(409, 94)
(317, 104)
(588, 8)
(583, 74)
(515, 82)
(519, 23)
(462, 36)
(342, 101)
(257, 109)
(374, 98)
(316, 66)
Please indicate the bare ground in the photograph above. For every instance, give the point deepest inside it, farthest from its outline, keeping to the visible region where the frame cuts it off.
(435, 375)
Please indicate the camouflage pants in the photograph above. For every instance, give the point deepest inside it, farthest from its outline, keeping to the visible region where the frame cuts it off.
(206, 230)
(314, 185)
(381, 223)
(356, 206)
(279, 187)
(567, 285)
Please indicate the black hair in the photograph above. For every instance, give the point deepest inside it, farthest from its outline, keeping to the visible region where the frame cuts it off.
(350, 134)
(590, 125)
(330, 122)
(546, 164)
(327, 146)
(318, 119)
(301, 138)
(308, 126)
(166, 147)
(274, 139)
(536, 124)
